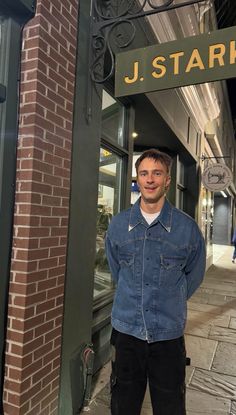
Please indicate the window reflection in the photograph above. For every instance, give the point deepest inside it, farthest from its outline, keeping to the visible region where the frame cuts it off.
(207, 212)
(112, 119)
(108, 205)
(180, 197)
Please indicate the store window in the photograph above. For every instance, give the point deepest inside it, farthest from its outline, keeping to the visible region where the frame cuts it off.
(111, 172)
(108, 205)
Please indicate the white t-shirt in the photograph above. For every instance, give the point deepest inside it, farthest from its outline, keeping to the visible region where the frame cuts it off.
(149, 217)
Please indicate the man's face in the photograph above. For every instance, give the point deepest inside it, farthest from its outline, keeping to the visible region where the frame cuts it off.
(153, 180)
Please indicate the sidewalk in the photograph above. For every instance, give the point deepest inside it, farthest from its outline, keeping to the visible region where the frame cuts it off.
(210, 342)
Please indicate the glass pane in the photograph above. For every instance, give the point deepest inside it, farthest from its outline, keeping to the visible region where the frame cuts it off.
(2, 63)
(2, 66)
(180, 199)
(108, 205)
(181, 178)
(207, 212)
(135, 193)
(112, 119)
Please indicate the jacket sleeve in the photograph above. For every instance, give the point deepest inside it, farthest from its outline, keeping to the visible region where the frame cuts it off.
(112, 257)
(196, 264)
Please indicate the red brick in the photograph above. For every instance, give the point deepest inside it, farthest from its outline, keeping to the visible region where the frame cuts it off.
(48, 263)
(33, 322)
(42, 372)
(31, 277)
(48, 399)
(18, 288)
(39, 396)
(43, 350)
(16, 349)
(59, 251)
(33, 345)
(51, 201)
(53, 334)
(23, 266)
(34, 367)
(32, 390)
(52, 376)
(47, 284)
(51, 222)
(15, 374)
(13, 386)
(21, 313)
(35, 410)
(54, 313)
(56, 271)
(43, 329)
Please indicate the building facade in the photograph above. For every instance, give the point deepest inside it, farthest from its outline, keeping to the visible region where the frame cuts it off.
(67, 147)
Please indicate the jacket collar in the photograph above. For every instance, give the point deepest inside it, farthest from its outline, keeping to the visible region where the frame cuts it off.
(165, 217)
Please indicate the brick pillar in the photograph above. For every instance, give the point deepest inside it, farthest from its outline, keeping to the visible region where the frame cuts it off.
(41, 210)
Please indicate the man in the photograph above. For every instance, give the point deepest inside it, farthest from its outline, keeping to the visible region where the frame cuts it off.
(156, 254)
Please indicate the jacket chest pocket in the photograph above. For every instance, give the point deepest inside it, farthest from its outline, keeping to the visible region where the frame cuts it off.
(126, 273)
(171, 270)
(126, 259)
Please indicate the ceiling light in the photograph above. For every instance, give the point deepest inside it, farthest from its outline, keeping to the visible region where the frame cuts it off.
(134, 135)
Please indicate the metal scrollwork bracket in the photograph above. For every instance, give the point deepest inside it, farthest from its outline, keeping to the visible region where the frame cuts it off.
(203, 157)
(107, 17)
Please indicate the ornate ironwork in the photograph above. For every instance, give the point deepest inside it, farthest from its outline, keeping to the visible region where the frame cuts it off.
(203, 157)
(108, 16)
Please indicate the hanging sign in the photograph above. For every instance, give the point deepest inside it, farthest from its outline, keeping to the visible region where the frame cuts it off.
(193, 60)
(217, 177)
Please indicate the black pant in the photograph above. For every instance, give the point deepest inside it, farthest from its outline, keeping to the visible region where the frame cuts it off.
(162, 363)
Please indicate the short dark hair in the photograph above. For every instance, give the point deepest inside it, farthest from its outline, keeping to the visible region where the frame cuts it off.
(157, 155)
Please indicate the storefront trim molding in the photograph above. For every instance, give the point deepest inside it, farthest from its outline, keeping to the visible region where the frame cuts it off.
(104, 36)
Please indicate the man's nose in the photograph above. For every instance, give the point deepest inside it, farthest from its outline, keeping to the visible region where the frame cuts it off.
(150, 178)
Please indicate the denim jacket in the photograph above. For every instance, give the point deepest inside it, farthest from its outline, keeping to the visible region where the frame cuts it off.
(156, 268)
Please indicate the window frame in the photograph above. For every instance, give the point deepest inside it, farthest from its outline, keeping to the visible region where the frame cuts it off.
(125, 152)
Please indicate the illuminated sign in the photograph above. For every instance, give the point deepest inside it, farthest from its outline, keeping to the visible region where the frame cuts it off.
(193, 60)
(217, 177)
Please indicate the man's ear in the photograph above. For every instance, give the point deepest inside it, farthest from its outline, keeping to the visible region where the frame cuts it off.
(168, 180)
